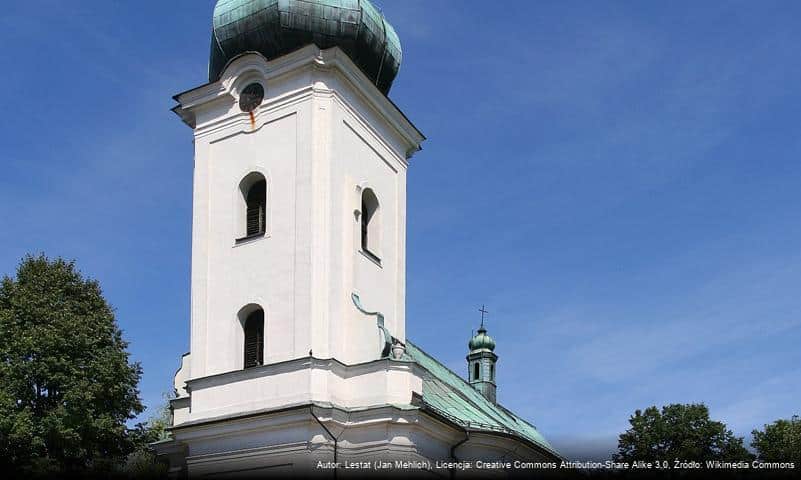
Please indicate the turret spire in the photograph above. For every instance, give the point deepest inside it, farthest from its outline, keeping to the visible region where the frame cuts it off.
(481, 360)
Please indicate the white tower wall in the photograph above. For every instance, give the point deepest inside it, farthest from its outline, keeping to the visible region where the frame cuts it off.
(319, 138)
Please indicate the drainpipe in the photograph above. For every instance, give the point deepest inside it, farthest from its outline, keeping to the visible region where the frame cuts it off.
(453, 450)
(336, 439)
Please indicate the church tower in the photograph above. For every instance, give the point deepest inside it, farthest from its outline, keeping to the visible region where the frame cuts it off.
(299, 221)
(299, 216)
(481, 362)
(298, 349)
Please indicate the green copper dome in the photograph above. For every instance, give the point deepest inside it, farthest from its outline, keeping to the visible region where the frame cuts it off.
(481, 340)
(277, 27)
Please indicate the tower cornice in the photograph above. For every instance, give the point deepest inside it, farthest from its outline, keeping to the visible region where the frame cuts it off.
(317, 66)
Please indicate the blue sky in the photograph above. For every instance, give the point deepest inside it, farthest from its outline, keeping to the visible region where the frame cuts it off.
(618, 181)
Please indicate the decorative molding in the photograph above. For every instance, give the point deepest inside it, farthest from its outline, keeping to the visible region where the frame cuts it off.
(340, 369)
(379, 320)
(332, 60)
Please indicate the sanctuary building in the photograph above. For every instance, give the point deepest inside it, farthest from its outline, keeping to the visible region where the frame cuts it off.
(299, 355)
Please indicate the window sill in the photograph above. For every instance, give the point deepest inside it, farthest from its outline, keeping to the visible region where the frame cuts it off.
(249, 238)
(371, 256)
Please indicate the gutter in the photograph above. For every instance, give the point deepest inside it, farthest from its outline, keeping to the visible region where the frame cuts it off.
(335, 439)
(453, 451)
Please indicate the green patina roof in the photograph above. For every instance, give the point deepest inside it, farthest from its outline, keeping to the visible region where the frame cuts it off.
(277, 27)
(451, 396)
(481, 341)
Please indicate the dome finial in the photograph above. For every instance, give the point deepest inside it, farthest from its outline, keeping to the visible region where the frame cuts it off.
(483, 311)
(481, 340)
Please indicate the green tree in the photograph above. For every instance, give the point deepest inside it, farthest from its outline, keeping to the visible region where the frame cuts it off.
(779, 442)
(143, 463)
(67, 387)
(683, 432)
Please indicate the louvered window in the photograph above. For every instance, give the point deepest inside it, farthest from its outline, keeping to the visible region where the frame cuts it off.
(365, 221)
(475, 371)
(256, 206)
(370, 223)
(254, 339)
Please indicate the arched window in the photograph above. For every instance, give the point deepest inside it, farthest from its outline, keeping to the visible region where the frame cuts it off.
(257, 203)
(475, 371)
(253, 217)
(370, 223)
(254, 339)
(492, 373)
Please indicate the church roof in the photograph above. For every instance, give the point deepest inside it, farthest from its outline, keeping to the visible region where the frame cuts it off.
(449, 395)
(277, 27)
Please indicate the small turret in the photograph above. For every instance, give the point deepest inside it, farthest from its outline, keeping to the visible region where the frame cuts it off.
(481, 361)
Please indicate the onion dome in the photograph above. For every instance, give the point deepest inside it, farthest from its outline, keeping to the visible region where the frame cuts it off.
(481, 341)
(277, 27)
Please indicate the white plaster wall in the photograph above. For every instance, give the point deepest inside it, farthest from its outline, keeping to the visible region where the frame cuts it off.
(366, 164)
(250, 394)
(317, 138)
(303, 381)
(261, 271)
(180, 411)
(294, 438)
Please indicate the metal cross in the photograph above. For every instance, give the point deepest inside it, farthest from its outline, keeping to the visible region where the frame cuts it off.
(483, 311)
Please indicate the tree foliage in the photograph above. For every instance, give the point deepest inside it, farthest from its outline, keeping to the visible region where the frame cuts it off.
(67, 387)
(683, 432)
(143, 463)
(779, 442)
